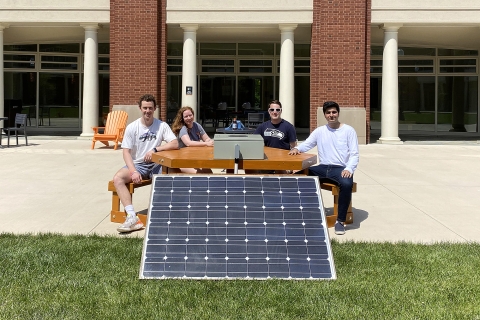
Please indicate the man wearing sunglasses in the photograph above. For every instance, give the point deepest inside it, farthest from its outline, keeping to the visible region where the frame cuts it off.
(277, 132)
(337, 145)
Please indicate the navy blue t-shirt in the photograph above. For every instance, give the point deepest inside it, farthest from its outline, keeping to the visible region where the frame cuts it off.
(277, 135)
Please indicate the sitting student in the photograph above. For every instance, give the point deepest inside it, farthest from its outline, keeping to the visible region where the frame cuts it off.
(190, 134)
(277, 132)
(143, 137)
(337, 145)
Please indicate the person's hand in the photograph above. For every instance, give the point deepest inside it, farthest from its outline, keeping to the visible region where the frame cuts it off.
(346, 174)
(136, 177)
(209, 143)
(148, 156)
(293, 152)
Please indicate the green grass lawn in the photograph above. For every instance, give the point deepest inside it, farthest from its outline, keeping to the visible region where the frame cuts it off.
(79, 277)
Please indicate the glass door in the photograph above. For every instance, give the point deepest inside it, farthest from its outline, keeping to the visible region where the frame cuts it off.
(217, 98)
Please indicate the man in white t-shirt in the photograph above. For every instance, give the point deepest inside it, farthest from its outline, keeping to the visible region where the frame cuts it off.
(337, 145)
(142, 138)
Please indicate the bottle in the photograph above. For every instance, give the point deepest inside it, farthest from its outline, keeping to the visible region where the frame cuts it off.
(234, 124)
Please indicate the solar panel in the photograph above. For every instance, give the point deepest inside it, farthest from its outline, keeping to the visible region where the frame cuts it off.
(236, 227)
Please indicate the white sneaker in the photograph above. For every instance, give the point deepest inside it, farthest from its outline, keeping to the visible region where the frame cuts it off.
(131, 224)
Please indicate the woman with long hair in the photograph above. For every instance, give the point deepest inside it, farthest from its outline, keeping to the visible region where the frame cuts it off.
(190, 134)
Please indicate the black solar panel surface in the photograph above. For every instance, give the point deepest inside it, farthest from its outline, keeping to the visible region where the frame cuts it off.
(230, 227)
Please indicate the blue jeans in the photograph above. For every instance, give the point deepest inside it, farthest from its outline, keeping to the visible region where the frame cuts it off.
(333, 174)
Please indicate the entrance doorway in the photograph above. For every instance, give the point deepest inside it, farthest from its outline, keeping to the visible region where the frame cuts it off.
(254, 92)
(217, 99)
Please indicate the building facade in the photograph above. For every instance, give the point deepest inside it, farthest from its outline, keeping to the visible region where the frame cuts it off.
(393, 66)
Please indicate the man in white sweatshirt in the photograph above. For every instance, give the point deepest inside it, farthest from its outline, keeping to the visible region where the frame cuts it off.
(337, 145)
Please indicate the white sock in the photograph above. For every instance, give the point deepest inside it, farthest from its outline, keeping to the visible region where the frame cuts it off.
(130, 211)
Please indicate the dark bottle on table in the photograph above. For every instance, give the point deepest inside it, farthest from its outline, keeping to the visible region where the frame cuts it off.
(234, 124)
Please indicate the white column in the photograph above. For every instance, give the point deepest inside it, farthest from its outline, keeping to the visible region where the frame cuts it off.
(287, 72)
(389, 125)
(2, 83)
(90, 81)
(189, 67)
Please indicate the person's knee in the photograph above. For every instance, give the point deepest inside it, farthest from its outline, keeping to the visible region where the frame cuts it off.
(121, 178)
(346, 183)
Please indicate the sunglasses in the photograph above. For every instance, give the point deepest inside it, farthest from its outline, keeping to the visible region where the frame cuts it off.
(271, 110)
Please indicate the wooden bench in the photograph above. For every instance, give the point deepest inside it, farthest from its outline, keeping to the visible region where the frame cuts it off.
(331, 219)
(119, 216)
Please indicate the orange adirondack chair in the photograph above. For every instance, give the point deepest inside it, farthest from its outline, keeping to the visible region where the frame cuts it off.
(113, 130)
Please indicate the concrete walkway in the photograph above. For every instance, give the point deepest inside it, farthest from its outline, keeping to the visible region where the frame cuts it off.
(412, 192)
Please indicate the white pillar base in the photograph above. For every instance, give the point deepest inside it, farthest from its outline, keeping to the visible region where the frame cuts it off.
(85, 136)
(389, 141)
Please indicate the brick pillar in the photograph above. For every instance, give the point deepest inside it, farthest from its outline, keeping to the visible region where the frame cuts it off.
(340, 56)
(138, 50)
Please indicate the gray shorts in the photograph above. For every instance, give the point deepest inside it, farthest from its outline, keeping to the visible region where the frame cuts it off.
(147, 170)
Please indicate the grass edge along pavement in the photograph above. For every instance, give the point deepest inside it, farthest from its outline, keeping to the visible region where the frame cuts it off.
(52, 276)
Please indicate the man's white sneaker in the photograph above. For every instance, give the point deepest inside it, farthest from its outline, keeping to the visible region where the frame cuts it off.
(131, 224)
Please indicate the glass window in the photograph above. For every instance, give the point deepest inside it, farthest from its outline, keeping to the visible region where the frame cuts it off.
(376, 66)
(104, 94)
(302, 50)
(457, 52)
(375, 101)
(256, 49)
(222, 49)
(174, 65)
(302, 66)
(218, 66)
(103, 63)
(302, 101)
(256, 66)
(59, 62)
(376, 51)
(174, 92)
(59, 96)
(256, 90)
(23, 86)
(19, 61)
(458, 66)
(410, 51)
(58, 47)
(216, 89)
(175, 49)
(457, 103)
(415, 66)
(104, 48)
(20, 47)
(416, 98)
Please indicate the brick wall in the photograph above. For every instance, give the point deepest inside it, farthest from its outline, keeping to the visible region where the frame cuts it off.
(340, 56)
(137, 51)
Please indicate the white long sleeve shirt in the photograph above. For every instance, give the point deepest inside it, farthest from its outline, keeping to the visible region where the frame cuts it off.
(335, 146)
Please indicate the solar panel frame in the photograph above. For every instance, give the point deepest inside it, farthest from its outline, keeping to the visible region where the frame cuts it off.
(229, 227)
